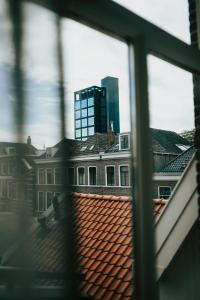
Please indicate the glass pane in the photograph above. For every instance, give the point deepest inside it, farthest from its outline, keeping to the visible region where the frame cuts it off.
(90, 111)
(84, 122)
(84, 113)
(90, 121)
(90, 101)
(84, 103)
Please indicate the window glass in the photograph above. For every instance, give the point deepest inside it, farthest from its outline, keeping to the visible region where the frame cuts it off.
(124, 176)
(49, 176)
(77, 105)
(78, 133)
(90, 130)
(78, 123)
(90, 111)
(124, 142)
(81, 176)
(58, 179)
(49, 198)
(41, 176)
(84, 132)
(164, 192)
(92, 176)
(91, 101)
(84, 103)
(78, 114)
(77, 97)
(110, 175)
(84, 122)
(90, 121)
(84, 113)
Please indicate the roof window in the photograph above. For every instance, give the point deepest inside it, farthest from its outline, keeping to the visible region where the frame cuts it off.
(124, 141)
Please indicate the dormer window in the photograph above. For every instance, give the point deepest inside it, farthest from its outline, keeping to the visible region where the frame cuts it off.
(124, 142)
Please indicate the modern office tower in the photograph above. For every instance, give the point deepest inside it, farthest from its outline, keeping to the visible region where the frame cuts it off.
(112, 102)
(90, 112)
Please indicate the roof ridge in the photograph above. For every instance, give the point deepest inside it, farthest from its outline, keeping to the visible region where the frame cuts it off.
(103, 197)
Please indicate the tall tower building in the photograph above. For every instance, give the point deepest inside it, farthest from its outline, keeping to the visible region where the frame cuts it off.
(112, 102)
(90, 112)
(97, 109)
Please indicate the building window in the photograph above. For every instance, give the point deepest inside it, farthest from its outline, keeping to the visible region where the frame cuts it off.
(49, 177)
(58, 179)
(4, 168)
(84, 113)
(4, 188)
(78, 123)
(41, 176)
(41, 201)
(78, 133)
(71, 176)
(110, 175)
(78, 114)
(91, 101)
(124, 142)
(124, 176)
(91, 121)
(77, 97)
(81, 176)
(164, 192)
(91, 131)
(49, 196)
(90, 111)
(92, 174)
(77, 105)
(84, 103)
(84, 132)
(84, 122)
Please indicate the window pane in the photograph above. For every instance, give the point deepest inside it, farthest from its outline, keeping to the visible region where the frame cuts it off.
(90, 130)
(49, 198)
(41, 201)
(77, 105)
(50, 176)
(91, 101)
(90, 111)
(81, 176)
(84, 122)
(124, 142)
(90, 121)
(41, 176)
(124, 175)
(84, 103)
(84, 132)
(84, 113)
(110, 176)
(164, 192)
(71, 176)
(78, 123)
(92, 175)
(78, 133)
(78, 114)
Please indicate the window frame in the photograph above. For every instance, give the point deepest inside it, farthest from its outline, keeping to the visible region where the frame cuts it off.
(106, 176)
(121, 135)
(164, 186)
(81, 167)
(52, 174)
(119, 170)
(89, 167)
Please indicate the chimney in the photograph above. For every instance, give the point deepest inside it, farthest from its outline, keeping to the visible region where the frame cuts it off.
(29, 141)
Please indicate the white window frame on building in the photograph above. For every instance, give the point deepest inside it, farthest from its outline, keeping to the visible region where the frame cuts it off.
(89, 182)
(120, 144)
(52, 175)
(78, 168)
(120, 177)
(106, 175)
(160, 195)
(41, 175)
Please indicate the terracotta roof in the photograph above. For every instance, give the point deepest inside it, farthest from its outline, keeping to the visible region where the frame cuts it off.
(103, 245)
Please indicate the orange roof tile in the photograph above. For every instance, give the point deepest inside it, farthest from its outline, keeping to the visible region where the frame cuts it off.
(103, 245)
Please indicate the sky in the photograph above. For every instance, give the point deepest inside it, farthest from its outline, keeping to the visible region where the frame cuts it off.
(88, 57)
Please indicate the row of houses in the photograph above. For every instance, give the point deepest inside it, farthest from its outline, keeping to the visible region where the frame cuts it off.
(99, 165)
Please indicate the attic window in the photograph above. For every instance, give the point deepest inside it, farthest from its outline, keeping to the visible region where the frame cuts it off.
(124, 142)
(83, 148)
(183, 147)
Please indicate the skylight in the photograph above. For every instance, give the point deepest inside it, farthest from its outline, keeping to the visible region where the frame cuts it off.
(83, 148)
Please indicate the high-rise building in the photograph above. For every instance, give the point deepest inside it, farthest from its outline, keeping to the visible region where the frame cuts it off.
(112, 102)
(90, 112)
(96, 109)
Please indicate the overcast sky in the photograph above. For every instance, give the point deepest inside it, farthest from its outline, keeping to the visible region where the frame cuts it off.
(88, 57)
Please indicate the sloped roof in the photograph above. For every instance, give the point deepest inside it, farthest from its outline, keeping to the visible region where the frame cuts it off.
(19, 147)
(180, 162)
(103, 245)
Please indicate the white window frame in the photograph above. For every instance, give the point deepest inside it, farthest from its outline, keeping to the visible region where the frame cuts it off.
(106, 182)
(39, 176)
(80, 167)
(123, 134)
(164, 186)
(89, 175)
(124, 165)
